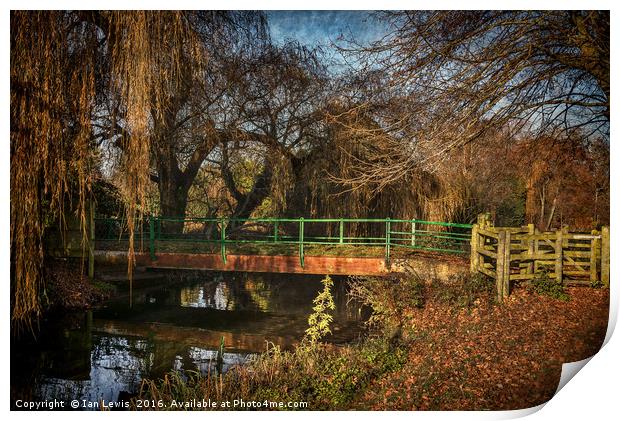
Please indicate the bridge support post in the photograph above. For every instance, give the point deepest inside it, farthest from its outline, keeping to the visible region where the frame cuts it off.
(223, 240)
(152, 237)
(388, 228)
(301, 241)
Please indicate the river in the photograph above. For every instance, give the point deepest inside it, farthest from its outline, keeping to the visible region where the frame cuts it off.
(105, 353)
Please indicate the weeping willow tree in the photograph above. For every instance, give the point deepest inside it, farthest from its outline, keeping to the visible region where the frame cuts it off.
(334, 182)
(64, 65)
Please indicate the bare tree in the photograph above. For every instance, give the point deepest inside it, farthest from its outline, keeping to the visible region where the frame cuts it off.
(193, 117)
(440, 80)
(280, 98)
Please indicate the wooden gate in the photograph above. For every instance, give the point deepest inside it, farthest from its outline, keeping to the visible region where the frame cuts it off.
(510, 254)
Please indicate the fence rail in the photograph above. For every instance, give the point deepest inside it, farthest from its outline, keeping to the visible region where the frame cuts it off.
(509, 254)
(199, 235)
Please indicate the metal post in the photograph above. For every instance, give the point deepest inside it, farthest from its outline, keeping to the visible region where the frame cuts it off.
(301, 241)
(341, 231)
(413, 229)
(152, 237)
(223, 240)
(387, 242)
(275, 230)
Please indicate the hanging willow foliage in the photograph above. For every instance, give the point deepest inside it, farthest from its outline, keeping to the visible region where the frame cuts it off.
(61, 62)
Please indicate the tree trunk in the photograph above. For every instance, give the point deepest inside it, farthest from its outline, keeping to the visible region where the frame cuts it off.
(173, 204)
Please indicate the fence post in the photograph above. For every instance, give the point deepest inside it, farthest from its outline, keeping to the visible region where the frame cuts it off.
(595, 246)
(501, 261)
(223, 240)
(341, 231)
(387, 242)
(559, 258)
(473, 257)
(605, 256)
(484, 220)
(413, 229)
(276, 225)
(507, 251)
(301, 241)
(152, 237)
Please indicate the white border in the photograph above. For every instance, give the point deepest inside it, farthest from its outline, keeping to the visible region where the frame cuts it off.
(592, 394)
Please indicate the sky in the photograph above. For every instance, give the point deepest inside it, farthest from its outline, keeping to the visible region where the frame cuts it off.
(316, 27)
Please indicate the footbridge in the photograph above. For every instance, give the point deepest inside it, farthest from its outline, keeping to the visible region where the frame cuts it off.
(344, 246)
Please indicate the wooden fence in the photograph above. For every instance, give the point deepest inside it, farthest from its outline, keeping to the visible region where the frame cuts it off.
(509, 254)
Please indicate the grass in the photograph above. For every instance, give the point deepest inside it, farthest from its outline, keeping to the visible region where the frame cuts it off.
(324, 376)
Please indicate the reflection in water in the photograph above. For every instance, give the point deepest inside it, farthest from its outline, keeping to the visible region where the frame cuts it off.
(199, 296)
(106, 355)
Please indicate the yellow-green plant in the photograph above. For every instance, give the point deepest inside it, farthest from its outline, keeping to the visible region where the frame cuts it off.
(319, 320)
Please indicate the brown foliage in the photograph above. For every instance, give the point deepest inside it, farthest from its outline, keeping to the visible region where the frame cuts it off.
(55, 60)
(492, 357)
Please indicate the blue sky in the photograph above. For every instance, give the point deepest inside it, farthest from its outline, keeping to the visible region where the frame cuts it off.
(314, 27)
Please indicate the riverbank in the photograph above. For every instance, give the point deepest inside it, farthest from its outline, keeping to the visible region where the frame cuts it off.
(68, 288)
(435, 346)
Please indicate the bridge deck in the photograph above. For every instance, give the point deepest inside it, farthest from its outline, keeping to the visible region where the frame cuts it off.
(425, 264)
(259, 263)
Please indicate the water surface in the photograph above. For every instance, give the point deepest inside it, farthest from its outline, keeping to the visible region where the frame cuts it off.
(104, 354)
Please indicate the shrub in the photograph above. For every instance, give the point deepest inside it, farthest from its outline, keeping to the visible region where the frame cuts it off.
(542, 284)
(388, 297)
(462, 291)
(319, 320)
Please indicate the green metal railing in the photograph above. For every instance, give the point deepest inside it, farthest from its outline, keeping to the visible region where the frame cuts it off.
(389, 234)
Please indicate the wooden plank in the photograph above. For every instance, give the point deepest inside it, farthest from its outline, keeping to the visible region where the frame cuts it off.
(487, 253)
(540, 256)
(487, 272)
(584, 254)
(588, 237)
(522, 276)
(487, 233)
(582, 274)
